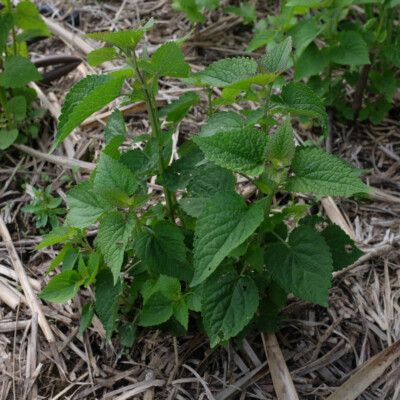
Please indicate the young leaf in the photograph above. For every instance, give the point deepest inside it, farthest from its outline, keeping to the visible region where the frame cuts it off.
(280, 145)
(178, 109)
(17, 72)
(7, 137)
(99, 56)
(86, 317)
(303, 266)
(62, 287)
(260, 39)
(303, 34)
(125, 40)
(300, 99)
(229, 302)
(17, 107)
(352, 50)
(86, 207)
(322, 173)
(57, 235)
(86, 97)
(223, 121)
(114, 231)
(276, 60)
(344, 251)
(157, 310)
(164, 251)
(6, 23)
(225, 222)
(169, 287)
(226, 72)
(27, 17)
(111, 174)
(107, 296)
(168, 60)
(241, 150)
(181, 312)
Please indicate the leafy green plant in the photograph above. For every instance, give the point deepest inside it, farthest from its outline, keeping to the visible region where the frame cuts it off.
(45, 208)
(202, 251)
(193, 8)
(335, 45)
(17, 115)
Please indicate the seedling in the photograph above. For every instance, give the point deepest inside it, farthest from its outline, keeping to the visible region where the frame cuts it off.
(206, 253)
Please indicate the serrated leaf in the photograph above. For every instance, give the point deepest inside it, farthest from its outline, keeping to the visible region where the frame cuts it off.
(27, 17)
(311, 62)
(344, 251)
(107, 297)
(281, 145)
(225, 223)
(114, 231)
(229, 302)
(223, 121)
(62, 287)
(226, 72)
(303, 33)
(85, 206)
(276, 60)
(241, 150)
(260, 39)
(99, 56)
(85, 98)
(157, 310)
(178, 109)
(322, 173)
(181, 312)
(58, 235)
(17, 72)
(300, 99)
(351, 50)
(164, 251)
(125, 40)
(86, 317)
(168, 60)
(7, 137)
(169, 287)
(6, 22)
(111, 174)
(303, 266)
(17, 106)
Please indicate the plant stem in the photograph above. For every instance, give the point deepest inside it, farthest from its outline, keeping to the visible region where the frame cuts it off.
(3, 102)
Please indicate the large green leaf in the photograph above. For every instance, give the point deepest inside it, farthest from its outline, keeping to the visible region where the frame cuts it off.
(303, 266)
(311, 62)
(6, 22)
(17, 72)
(62, 287)
(228, 304)
(99, 56)
(114, 231)
(157, 310)
(319, 172)
(351, 50)
(226, 72)
(115, 126)
(57, 235)
(241, 150)
(27, 17)
(111, 174)
(7, 137)
(178, 109)
(163, 249)
(223, 121)
(107, 296)
(300, 99)
(225, 223)
(85, 98)
(85, 206)
(303, 34)
(344, 251)
(276, 60)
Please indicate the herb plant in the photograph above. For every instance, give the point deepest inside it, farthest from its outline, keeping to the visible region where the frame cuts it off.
(18, 24)
(334, 46)
(203, 251)
(45, 208)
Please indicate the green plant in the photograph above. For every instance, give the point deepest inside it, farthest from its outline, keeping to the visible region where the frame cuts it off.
(45, 208)
(335, 45)
(205, 250)
(193, 8)
(17, 115)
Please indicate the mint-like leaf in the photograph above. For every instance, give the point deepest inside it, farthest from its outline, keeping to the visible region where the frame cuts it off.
(114, 231)
(7, 137)
(225, 222)
(58, 235)
(86, 317)
(27, 17)
(86, 97)
(62, 287)
(17, 72)
(276, 60)
(303, 266)
(229, 302)
(281, 145)
(164, 251)
(107, 295)
(99, 56)
(319, 172)
(178, 109)
(85, 206)
(241, 150)
(125, 40)
(223, 121)
(344, 251)
(352, 50)
(157, 310)
(115, 126)
(303, 33)
(111, 174)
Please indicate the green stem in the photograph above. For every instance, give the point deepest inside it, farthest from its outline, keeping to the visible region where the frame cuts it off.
(3, 102)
